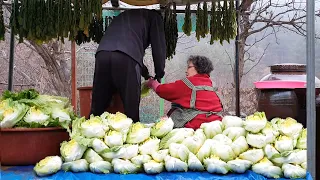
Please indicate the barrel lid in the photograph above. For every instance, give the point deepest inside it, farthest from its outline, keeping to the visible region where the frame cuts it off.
(288, 67)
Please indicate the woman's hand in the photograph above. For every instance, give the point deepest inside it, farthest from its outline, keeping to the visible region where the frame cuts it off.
(153, 84)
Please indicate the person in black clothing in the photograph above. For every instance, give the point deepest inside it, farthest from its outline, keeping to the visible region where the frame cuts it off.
(119, 59)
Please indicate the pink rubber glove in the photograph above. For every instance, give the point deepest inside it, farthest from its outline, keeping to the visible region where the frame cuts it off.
(153, 84)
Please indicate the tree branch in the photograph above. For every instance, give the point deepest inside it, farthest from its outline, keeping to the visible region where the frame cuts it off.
(264, 52)
(229, 59)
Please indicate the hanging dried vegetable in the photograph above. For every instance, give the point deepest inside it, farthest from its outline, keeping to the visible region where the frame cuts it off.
(43, 20)
(187, 25)
(171, 31)
(232, 22)
(205, 26)
(95, 32)
(199, 23)
(213, 23)
(223, 22)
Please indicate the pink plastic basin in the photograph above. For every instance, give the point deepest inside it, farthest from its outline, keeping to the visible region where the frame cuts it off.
(280, 84)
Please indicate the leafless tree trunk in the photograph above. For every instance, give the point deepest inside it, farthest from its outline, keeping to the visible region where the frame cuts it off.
(266, 17)
(56, 64)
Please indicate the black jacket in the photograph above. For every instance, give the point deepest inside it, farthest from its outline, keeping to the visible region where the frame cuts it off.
(132, 32)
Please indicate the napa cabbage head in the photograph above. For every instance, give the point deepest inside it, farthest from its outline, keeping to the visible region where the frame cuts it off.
(173, 164)
(194, 143)
(119, 122)
(94, 128)
(48, 166)
(302, 140)
(205, 150)
(138, 133)
(214, 164)
(304, 165)
(293, 171)
(232, 121)
(153, 167)
(240, 145)
(131, 150)
(4, 104)
(297, 157)
(62, 115)
(36, 115)
(256, 140)
(115, 152)
(114, 138)
(124, 167)
(212, 128)
(149, 146)
(13, 114)
(194, 163)
(80, 165)
(270, 151)
(267, 169)
(175, 136)
(222, 139)
(224, 152)
(253, 155)
(239, 165)
(179, 151)
(98, 145)
(270, 132)
(53, 101)
(92, 156)
(104, 167)
(159, 156)
(72, 150)
(255, 122)
(234, 132)
(290, 127)
(139, 160)
(163, 127)
(284, 143)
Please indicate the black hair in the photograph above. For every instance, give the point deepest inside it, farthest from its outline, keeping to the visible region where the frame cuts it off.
(202, 64)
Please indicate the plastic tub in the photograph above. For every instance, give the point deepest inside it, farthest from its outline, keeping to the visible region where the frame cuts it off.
(27, 146)
(85, 102)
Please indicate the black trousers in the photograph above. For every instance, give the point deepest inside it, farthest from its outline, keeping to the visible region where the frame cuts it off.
(116, 72)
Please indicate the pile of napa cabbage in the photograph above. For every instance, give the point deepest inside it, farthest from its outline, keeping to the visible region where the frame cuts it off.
(113, 143)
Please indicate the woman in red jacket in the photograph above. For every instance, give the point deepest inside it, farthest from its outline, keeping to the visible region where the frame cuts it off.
(194, 100)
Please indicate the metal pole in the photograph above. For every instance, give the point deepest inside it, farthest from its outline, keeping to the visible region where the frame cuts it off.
(161, 113)
(237, 62)
(311, 110)
(73, 76)
(11, 62)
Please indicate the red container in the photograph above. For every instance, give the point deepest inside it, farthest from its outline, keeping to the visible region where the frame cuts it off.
(85, 102)
(27, 146)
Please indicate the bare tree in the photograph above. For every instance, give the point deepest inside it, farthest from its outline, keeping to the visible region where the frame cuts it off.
(54, 58)
(264, 18)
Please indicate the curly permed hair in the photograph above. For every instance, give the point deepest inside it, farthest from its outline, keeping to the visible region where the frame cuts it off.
(202, 64)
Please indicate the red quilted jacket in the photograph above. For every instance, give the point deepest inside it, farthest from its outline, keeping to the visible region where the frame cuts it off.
(179, 93)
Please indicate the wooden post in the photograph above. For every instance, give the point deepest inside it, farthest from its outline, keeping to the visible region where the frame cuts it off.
(73, 76)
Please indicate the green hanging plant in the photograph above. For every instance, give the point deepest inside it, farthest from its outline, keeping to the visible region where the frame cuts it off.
(41, 21)
(171, 31)
(187, 25)
(219, 23)
(205, 26)
(213, 23)
(199, 25)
